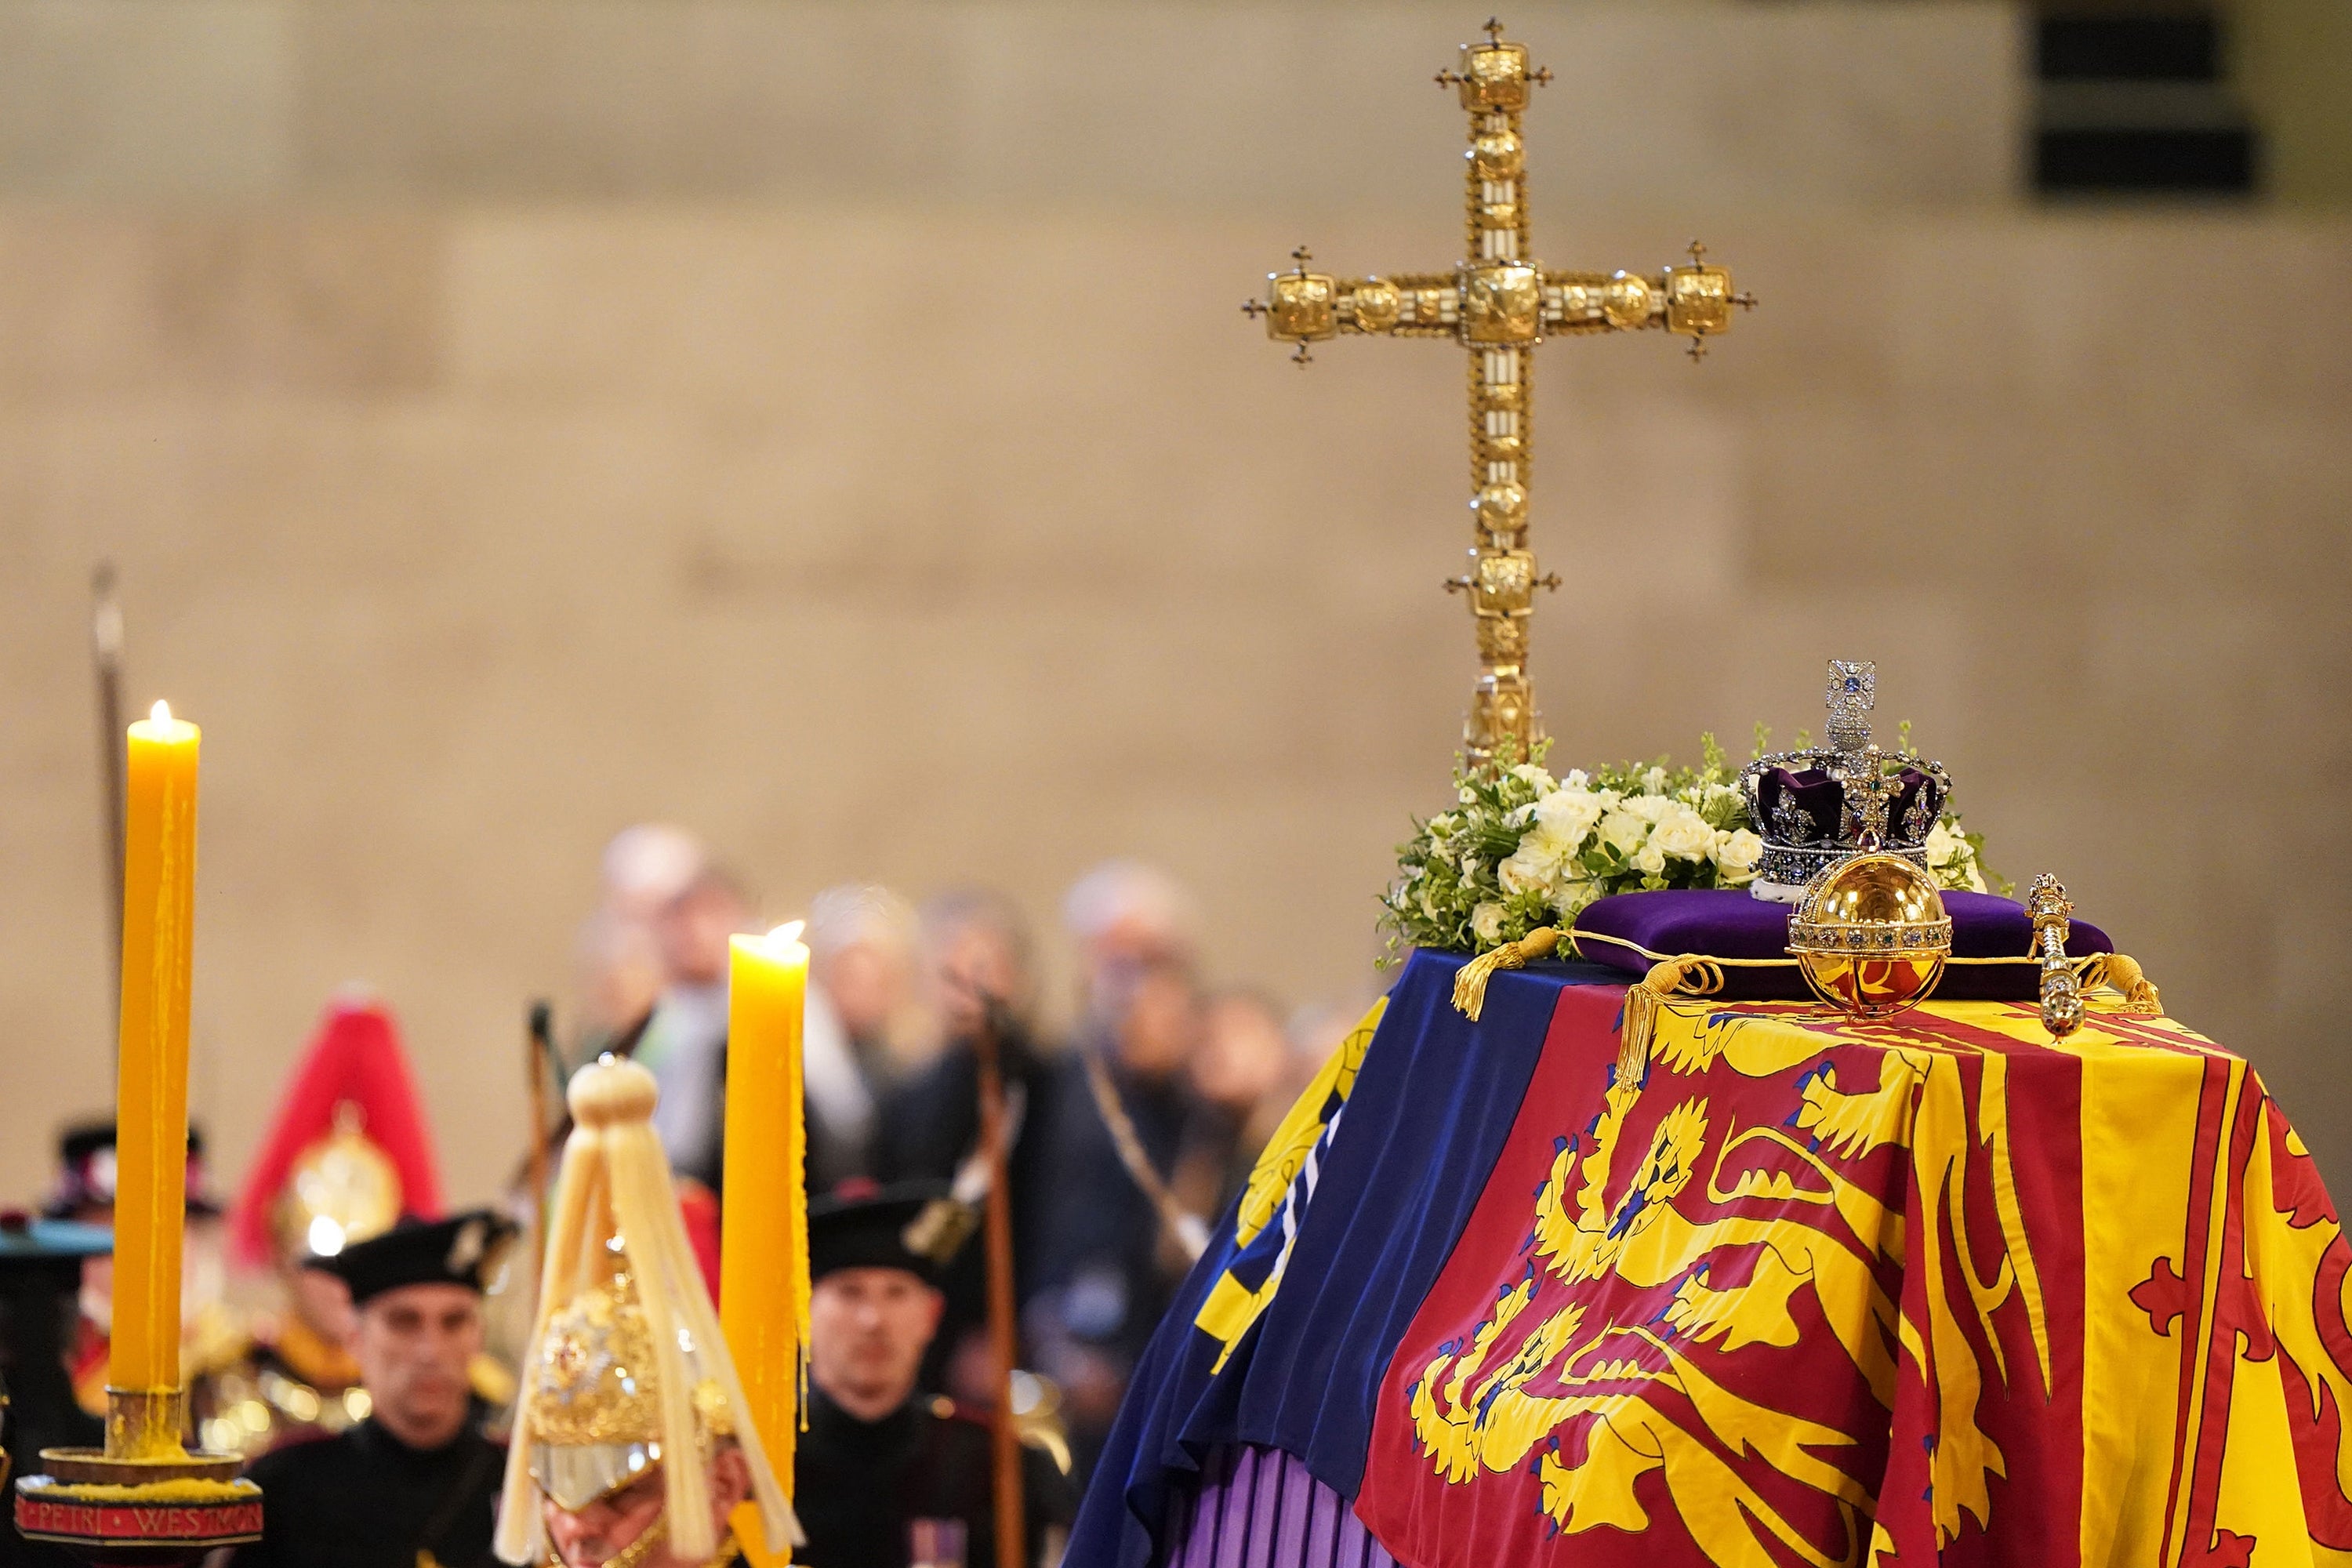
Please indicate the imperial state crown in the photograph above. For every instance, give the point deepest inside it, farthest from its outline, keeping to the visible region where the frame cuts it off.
(1806, 804)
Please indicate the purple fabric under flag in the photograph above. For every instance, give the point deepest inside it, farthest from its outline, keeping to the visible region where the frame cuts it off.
(1259, 1508)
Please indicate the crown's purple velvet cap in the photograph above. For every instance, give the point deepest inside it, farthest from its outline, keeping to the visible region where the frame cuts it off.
(1822, 800)
(1720, 922)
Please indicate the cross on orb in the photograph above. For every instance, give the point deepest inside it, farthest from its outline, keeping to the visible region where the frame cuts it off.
(1498, 303)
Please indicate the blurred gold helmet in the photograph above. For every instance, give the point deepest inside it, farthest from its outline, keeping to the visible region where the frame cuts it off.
(626, 1372)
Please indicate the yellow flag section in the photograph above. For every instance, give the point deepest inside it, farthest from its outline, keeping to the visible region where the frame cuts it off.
(1280, 1184)
(1815, 1291)
(2217, 1365)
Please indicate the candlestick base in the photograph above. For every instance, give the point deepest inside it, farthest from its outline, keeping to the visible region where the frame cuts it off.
(143, 1500)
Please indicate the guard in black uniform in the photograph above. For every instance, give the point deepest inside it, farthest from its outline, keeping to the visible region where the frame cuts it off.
(40, 1276)
(415, 1484)
(879, 1458)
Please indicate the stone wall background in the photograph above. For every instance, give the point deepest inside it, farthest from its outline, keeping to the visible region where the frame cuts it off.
(829, 427)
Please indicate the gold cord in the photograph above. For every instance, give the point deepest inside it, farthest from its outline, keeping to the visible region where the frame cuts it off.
(1470, 980)
(2123, 972)
(1174, 1219)
(1691, 974)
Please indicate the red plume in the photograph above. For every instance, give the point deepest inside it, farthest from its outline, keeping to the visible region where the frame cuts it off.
(355, 1059)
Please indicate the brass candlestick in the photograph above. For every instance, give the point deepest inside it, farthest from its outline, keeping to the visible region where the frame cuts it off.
(143, 1500)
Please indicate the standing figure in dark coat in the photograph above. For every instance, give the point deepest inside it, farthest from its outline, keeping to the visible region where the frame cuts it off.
(415, 1484)
(975, 946)
(879, 1459)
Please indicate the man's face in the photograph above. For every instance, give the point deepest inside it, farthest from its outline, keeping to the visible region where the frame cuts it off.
(867, 1330)
(606, 1527)
(971, 962)
(866, 982)
(694, 929)
(1160, 1028)
(610, 1525)
(413, 1345)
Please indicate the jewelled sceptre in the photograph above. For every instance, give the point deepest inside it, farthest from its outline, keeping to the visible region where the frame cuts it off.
(2062, 988)
(1497, 303)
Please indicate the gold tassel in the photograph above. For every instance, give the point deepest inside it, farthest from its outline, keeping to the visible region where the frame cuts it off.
(2123, 972)
(1470, 980)
(522, 1535)
(1689, 975)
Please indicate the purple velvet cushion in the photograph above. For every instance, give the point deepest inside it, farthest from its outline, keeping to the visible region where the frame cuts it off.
(1990, 939)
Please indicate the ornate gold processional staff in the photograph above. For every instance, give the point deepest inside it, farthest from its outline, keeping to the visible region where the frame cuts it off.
(1498, 303)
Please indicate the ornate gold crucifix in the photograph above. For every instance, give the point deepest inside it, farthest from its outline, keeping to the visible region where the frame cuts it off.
(1498, 303)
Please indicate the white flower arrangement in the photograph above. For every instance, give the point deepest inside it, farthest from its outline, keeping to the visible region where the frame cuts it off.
(1523, 850)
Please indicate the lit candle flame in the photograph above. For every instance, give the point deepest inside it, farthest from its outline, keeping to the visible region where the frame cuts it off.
(161, 714)
(787, 933)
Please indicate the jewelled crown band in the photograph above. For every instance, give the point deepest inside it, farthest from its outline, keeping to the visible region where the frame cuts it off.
(1806, 805)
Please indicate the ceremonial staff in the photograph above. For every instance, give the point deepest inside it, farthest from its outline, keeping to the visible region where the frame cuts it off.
(538, 1058)
(106, 659)
(1005, 1442)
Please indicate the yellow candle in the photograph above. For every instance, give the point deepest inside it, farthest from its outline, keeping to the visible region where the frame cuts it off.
(763, 1279)
(159, 893)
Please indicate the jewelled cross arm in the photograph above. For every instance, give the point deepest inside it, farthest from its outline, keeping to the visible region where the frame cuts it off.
(1493, 304)
(1498, 302)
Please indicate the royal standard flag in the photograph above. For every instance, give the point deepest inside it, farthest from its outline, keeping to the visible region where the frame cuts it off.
(1935, 1290)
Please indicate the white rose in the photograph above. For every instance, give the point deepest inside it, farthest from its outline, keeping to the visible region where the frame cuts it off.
(1622, 833)
(1683, 834)
(1486, 923)
(1534, 775)
(1553, 845)
(1736, 852)
(1942, 845)
(1532, 866)
(1651, 860)
(1648, 808)
(1569, 815)
(1654, 782)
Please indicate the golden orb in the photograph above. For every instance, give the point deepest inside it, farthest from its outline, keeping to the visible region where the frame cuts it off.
(1871, 934)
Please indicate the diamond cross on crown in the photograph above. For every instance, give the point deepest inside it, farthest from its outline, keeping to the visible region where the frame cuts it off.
(1853, 692)
(1869, 795)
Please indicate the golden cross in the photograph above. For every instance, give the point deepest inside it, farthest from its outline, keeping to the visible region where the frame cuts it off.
(1497, 303)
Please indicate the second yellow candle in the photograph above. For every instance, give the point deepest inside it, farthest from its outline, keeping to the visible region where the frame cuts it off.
(763, 1269)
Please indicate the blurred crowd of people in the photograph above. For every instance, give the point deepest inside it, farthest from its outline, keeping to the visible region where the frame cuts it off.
(1134, 1115)
(1131, 1128)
